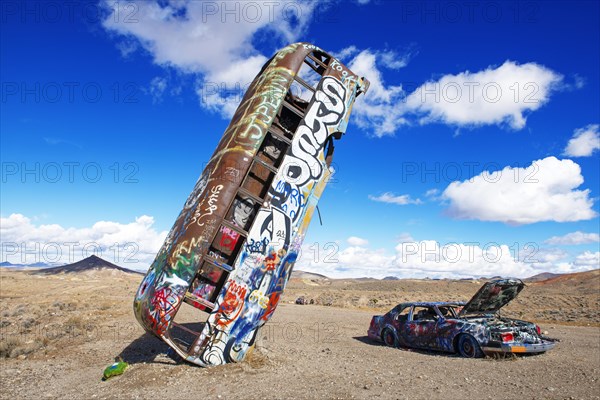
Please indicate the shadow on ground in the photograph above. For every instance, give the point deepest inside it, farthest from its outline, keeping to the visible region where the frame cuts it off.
(367, 340)
(144, 349)
(147, 348)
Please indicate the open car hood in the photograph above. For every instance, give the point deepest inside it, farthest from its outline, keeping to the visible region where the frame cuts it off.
(493, 296)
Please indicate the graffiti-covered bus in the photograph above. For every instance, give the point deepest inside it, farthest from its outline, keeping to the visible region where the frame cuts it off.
(232, 248)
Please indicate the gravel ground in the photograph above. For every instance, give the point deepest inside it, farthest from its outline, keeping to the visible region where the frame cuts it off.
(308, 351)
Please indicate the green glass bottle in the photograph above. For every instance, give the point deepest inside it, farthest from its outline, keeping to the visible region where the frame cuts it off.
(115, 369)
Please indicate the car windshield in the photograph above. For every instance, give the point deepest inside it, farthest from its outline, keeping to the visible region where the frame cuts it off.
(448, 311)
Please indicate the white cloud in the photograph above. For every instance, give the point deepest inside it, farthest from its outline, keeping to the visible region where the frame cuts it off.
(579, 81)
(157, 88)
(380, 110)
(132, 245)
(405, 237)
(392, 60)
(127, 47)
(588, 260)
(215, 41)
(222, 91)
(430, 258)
(211, 39)
(391, 198)
(583, 262)
(542, 258)
(584, 142)
(346, 52)
(420, 259)
(356, 241)
(433, 259)
(492, 96)
(543, 191)
(432, 194)
(353, 261)
(574, 238)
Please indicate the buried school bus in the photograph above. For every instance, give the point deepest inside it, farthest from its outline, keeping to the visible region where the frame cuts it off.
(232, 248)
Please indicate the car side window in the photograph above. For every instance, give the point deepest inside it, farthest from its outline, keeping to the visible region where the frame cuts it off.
(402, 315)
(424, 313)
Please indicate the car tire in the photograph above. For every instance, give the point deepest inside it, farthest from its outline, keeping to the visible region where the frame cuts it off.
(468, 347)
(389, 338)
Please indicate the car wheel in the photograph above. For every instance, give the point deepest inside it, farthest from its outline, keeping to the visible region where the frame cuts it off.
(389, 338)
(468, 347)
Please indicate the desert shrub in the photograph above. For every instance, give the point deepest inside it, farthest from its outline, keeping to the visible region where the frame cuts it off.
(28, 323)
(20, 310)
(8, 344)
(25, 349)
(327, 301)
(65, 306)
(77, 325)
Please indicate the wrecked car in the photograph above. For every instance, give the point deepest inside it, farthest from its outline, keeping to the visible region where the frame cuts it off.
(472, 329)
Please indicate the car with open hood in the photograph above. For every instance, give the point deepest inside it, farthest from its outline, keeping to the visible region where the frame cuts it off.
(472, 329)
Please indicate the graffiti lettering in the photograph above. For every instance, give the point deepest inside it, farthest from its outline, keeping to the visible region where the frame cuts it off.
(254, 246)
(301, 164)
(232, 304)
(335, 64)
(259, 120)
(229, 238)
(213, 197)
(185, 247)
(196, 192)
(258, 297)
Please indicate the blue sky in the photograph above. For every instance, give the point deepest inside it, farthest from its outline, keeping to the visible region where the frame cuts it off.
(108, 116)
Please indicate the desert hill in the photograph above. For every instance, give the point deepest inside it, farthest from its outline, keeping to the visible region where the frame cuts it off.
(584, 282)
(540, 277)
(92, 264)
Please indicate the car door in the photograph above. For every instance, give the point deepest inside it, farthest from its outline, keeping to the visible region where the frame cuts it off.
(399, 322)
(420, 331)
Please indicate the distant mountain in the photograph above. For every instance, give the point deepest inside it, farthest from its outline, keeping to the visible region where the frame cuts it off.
(586, 279)
(308, 275)
(8, 264)
(541, 277)
(92, 263)
(391, 278)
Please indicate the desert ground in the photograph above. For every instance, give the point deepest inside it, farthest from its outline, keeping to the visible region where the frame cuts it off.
(59, 332)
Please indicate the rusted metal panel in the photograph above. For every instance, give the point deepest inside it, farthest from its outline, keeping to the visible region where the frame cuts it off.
(234, 244)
